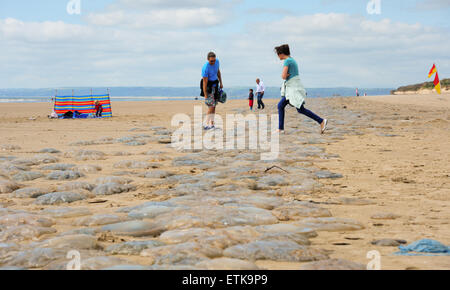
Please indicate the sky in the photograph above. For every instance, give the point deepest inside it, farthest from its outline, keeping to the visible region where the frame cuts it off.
(337, 43)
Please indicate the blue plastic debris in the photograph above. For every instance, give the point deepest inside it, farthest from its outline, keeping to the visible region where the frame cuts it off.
(424, 247)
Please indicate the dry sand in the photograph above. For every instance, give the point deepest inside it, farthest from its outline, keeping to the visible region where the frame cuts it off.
(399, 163)
(407, 174)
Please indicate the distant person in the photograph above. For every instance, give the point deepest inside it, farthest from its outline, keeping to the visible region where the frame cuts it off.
(211, 85)
(260, 89)
(98, 109)
(357, 92)
(292, 91)
(251, 98)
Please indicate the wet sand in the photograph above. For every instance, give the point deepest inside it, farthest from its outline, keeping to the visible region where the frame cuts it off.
(192, 208)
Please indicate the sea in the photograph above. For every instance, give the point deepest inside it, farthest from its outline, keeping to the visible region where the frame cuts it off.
(119, 94)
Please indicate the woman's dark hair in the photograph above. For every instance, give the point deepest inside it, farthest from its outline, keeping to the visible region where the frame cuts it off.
(211, 54)
(283, 49)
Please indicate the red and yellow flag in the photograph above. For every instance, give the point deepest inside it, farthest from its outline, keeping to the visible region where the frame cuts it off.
(432, 71)
(437, 82)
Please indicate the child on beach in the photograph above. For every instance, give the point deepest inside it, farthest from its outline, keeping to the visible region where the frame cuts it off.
(98, 109)
(251, 98)
(292, 90)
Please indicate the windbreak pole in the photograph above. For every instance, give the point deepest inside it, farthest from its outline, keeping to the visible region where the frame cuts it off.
(109, 97)
(73, 109)
(54, 100)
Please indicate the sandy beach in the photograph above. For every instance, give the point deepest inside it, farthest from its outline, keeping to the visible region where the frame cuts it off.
(126, 199)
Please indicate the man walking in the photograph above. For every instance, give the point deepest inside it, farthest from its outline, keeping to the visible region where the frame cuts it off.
(211, 85)
(260, 88)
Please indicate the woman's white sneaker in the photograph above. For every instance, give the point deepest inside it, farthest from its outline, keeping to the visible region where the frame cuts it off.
(323, 126)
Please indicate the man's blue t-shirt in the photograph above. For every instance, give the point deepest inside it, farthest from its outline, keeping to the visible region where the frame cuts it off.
(210, 71)
(293, 67)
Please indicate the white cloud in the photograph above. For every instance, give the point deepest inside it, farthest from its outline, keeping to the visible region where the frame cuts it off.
(163, 14)
(340, 49)
(54, 54)
(332, 49)
(47, 31)
(146, 4)
(433, 4)
(168, 18)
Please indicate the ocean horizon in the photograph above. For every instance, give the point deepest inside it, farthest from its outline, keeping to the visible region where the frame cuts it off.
(119, 94)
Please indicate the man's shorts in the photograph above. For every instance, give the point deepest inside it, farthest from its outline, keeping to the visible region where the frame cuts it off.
(213, 98)
(211, 101)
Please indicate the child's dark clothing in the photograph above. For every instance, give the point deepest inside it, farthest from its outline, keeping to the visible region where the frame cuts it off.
(98, 110)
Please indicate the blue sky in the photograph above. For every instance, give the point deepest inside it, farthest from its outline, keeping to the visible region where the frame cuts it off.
(163, 43)
(408, 11)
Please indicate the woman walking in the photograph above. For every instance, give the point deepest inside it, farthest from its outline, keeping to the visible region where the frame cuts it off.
(292, 90)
